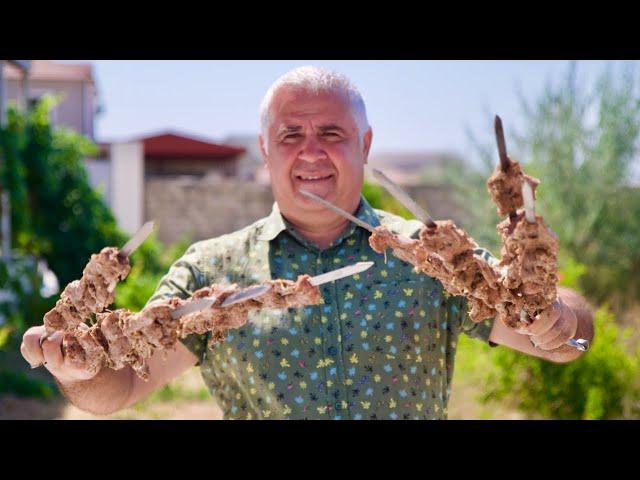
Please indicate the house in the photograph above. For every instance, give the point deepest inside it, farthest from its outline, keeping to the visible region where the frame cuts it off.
(136, 175)
(73, 82)
(250, 163)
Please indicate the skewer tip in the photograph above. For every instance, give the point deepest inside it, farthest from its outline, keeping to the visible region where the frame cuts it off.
(529, 202)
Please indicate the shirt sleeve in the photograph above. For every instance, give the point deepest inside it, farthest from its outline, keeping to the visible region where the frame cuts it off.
(480, 330)
(184, 278)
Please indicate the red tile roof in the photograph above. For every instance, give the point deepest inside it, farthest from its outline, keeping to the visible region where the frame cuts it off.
(172, 145)
(52, 71)
(175, 146)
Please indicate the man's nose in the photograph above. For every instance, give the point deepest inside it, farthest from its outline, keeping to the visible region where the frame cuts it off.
(312, 151)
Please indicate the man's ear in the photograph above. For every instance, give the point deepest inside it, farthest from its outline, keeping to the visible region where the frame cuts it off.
(262, 148)
(367, 139)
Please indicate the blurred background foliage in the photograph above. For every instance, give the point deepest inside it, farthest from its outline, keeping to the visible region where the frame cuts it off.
(583, 145)
(379, 198)
(59, 221)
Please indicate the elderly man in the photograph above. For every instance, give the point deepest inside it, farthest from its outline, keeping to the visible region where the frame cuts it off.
(382, 346)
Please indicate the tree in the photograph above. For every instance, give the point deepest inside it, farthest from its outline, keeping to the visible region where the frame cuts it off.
(583, 146)
(57, 214)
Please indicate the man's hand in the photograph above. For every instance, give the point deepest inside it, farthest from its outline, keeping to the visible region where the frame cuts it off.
(50, 354)
(569, 317)
(553, 327)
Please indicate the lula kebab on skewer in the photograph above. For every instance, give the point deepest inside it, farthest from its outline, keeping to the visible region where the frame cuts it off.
(121, 337)
(530, 248)
(447, 254)
(529, 253)
(95, 291)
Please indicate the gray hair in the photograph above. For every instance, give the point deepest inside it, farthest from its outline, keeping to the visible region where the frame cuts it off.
(315, 79)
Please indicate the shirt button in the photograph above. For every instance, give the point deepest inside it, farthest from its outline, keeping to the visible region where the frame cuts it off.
(333, 351)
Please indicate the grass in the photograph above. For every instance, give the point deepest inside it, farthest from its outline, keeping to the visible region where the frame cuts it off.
(173, 393)
(473, 362)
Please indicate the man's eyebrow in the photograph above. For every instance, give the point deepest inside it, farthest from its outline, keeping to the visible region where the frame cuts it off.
(289, 129)
(324, 128)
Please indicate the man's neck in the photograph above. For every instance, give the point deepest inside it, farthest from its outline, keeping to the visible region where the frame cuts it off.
(324, 229)
(322, 236)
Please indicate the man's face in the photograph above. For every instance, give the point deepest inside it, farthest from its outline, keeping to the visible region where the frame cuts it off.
(314, 144)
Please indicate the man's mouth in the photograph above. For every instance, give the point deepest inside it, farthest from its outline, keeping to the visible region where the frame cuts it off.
(314, 177)
(321, 184)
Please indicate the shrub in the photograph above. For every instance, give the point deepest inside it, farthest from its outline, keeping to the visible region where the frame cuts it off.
(379, 198)
(601, 384)
(21, 302)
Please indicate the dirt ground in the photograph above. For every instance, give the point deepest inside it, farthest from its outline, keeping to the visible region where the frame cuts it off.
(181, 405)
(187, 399)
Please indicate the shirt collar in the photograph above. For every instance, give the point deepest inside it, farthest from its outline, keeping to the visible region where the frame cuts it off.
(273, 225)
(276, 224)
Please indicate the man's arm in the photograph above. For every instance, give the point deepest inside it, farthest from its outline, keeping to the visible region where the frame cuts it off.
(572, 318)
(109, 390)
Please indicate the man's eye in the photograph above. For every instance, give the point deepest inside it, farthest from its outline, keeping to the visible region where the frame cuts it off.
(292, 136)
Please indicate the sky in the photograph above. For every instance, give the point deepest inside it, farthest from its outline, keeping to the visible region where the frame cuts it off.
(411, 105)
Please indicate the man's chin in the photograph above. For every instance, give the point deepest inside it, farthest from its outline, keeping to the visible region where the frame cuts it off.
(325, 190)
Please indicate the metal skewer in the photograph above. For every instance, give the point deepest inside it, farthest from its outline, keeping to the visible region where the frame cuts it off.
(337, 210)
(246, 294)
(193, 306)
(529, 202)
(137, 239)
(502, 146)
(404, 198)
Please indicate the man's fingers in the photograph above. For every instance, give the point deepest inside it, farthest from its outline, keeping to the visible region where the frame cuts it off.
(51, 348)
(30, 347)
(551, 334)
(564, 329)
(546, 320)
(32, 355)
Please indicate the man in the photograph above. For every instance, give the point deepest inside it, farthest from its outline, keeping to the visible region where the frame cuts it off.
(381, 346)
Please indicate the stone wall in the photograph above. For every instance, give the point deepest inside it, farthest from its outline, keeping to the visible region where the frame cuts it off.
(213, 206)
(440, 202)
(204, 208)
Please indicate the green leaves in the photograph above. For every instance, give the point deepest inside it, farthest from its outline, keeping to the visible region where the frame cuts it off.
(601, 384)
(58, 214)
(379, 198)
(583, 145)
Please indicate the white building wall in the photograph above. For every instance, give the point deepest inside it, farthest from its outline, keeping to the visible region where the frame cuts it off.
(99, 171)
(127, 184)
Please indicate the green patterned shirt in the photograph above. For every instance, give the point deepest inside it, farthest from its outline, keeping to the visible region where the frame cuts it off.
(381, 346)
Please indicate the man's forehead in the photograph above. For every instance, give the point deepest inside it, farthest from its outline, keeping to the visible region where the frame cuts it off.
(299, 101)
(290, 105)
